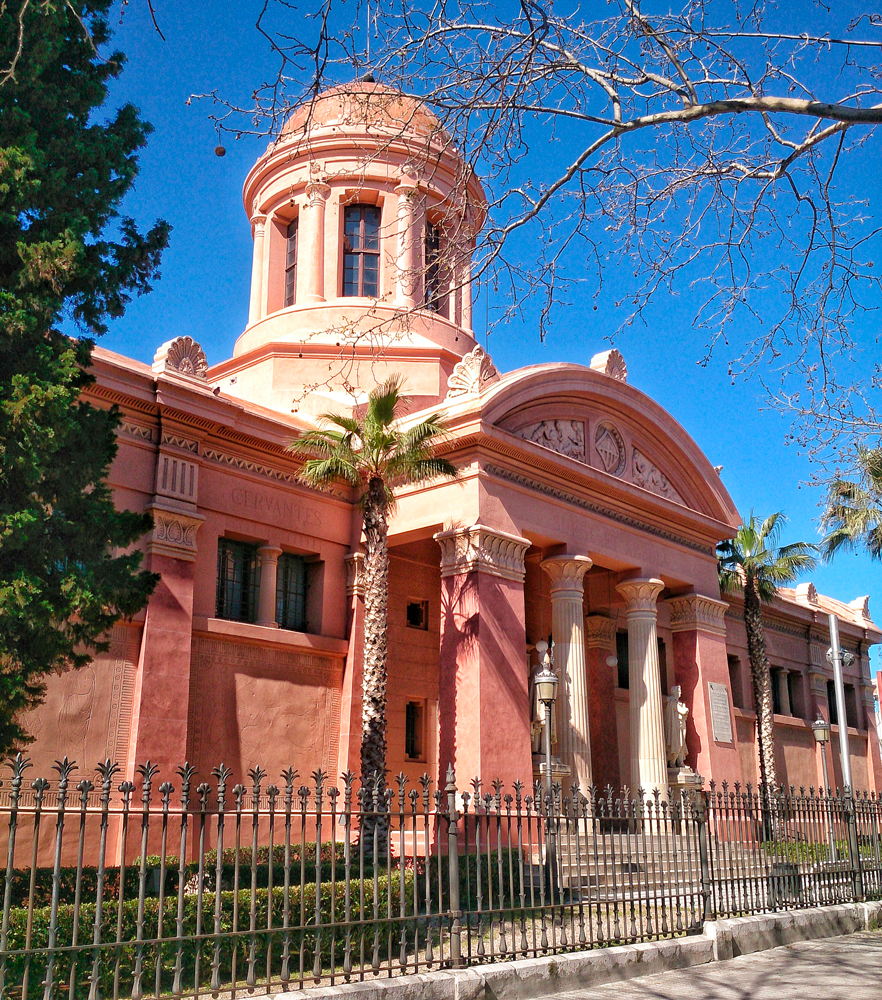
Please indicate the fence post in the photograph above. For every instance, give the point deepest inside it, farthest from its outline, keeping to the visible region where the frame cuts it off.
(854, 853)
(453, 871)
(701, 817)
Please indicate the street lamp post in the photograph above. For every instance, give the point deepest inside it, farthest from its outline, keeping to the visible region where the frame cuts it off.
(837, 658)
(546, 691)
(821, 731)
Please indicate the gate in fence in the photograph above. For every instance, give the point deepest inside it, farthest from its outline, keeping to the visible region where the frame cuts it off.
(181, 887)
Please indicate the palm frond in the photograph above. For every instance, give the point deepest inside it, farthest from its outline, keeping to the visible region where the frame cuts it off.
(324, 472)
(852, 516)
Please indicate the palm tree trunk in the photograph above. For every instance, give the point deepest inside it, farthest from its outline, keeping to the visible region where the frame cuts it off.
(761, 677)
(373, 705)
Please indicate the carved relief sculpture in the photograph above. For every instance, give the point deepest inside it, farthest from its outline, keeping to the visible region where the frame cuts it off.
(567, 437)
(647, 476)
(610, 363)
(181, 355)
(610, 449)
(471, 374)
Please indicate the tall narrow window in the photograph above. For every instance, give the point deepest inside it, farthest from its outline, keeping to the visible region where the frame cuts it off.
(291, 264)
(361, 251)
(291, 593)
(622, 657)
(832, 707)
(414, 730)
(237, 580)
(434, 298)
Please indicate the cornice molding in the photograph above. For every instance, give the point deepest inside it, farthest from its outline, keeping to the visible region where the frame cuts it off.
(595, 508)
(482, 549)
(289, 478)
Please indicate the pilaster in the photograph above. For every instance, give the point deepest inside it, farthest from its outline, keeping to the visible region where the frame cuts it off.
(312, 233)
(409, 259)
(257, 304)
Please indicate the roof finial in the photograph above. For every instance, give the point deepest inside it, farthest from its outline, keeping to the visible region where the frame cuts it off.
(368, 78)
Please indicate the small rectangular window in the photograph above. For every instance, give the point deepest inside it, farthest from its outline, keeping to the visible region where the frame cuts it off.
(735, 681)
(414, 730)
(291, 264)
(831, 704)
(851, 707)
(418, 614)
(622, 657)
(361, 251)
(775, 674)
(237, 580)
(291, 593)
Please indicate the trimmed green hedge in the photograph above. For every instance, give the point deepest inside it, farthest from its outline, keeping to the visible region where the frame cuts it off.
(200, 953)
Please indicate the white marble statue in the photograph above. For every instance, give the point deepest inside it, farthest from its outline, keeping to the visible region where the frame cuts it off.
(676, 714)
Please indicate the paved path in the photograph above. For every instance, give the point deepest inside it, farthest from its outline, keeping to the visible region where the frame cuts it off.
(843, 968)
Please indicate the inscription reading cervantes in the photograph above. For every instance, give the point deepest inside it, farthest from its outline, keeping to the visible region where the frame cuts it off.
(277, 507)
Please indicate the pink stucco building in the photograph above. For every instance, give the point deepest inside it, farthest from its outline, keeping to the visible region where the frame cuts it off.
(584, 511)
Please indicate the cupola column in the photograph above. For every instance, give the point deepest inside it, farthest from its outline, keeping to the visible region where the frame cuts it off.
(409, 260)
(465, 292)
(256, 306)
(311, 244)
(268, 556)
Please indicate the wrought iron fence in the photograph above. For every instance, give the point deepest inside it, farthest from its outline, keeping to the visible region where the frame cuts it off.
(135, 887)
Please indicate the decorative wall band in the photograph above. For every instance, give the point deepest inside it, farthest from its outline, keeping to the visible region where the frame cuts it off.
(607, 512)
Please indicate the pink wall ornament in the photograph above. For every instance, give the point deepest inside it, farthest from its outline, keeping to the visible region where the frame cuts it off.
(610, 449)
(182, 355)
(470, 375)
(610, 363)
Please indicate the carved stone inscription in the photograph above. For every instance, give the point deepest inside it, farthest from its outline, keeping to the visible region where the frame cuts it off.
(258, 504)
(721, 719)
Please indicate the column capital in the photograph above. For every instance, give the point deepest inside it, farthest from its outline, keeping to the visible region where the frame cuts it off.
(268, 554)
(408, 189)
(317, 193)
(174, 532)
(600, 632)
(354, 574)
(482, 549)
(641, 594)
(696, 613)
(566, 572)
(257, 224)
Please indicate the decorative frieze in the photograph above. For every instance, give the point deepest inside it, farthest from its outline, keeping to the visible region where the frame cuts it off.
(610, 363)
(567, 437)
(174, 532)
(693, 612)
(175, 441)
(482, 549)
(649, 477)
(470, 375)
(138, 431)
(182, 355)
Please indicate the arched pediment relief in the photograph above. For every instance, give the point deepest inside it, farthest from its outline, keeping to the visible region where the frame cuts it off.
(649, 477)
(567, 437)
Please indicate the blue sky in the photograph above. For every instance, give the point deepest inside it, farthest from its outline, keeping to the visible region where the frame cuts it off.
(205, 274)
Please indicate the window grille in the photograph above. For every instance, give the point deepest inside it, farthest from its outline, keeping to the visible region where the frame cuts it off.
(291, 264)
(237, 580)
(434, 291)
(291, 593)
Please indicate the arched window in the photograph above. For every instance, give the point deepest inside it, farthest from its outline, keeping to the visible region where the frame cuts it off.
(361, 251)
(291, 264)
(434, 290)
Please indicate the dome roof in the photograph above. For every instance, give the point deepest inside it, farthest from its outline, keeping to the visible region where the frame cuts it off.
(366, 104)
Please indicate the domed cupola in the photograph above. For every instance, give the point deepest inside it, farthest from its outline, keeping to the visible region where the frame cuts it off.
(364, 218)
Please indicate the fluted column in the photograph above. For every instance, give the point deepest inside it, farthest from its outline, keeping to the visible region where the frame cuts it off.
(649, 764)
(311, 243)
(568, 629)
(408, 260)
(256, 306)
(268, 557)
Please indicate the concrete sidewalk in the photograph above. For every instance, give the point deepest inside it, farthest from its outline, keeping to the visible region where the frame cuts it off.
(842, 968)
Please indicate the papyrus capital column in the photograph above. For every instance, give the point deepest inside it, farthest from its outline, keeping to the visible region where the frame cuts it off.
(649, 765)
(567, 627)
(256, 305)
(311, 242)
(268, 557)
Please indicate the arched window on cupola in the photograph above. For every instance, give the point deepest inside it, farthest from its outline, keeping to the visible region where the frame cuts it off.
(291, 263)
(434, 297)
(361, 251)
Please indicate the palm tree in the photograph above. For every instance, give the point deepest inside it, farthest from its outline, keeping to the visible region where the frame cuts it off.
(374, 456)
(852, 516)
(753, 562)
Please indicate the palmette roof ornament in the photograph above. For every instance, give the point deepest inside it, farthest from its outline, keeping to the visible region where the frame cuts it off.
(610, 363)
(182, 355)
(471, 374)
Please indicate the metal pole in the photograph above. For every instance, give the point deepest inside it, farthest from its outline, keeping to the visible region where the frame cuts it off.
(456, 961)
(551, 840)
(835, 657)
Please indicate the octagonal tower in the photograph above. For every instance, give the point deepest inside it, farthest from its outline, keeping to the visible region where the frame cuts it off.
(364, 218)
